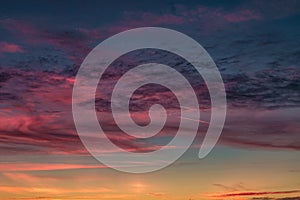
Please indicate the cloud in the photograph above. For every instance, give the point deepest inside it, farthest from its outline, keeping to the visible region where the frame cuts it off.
(242, 15)
(157, 194)
(6, 47)
(270, 129)
(37, 115)
(241, 194)
(35, 118)
(36, 104)
(206, 18)
(270, 198)
(268, 88)
(69, 41)
(235, 187)
(140, 19)
(50, 190)
(11, 167)
(21, 177)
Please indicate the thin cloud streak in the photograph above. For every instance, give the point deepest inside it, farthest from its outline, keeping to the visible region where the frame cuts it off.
(241, 194)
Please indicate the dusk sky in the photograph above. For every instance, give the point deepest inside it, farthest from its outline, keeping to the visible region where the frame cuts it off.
(256, 47)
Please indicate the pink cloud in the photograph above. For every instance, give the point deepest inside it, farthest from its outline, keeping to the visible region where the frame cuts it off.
(6, 47)
(68, 41)
(131, 20)
(205, 17)
(19, 28)
(76, 43)
(240, 16)
(37, 118)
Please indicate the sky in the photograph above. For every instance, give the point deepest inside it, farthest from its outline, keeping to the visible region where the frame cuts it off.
(256, 47)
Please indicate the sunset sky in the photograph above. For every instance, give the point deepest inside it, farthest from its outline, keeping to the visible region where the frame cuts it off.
(256, 47)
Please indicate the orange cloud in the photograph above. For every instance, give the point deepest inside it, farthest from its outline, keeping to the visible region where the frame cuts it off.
(157, 194)
(26, 177)
(43, 167)
(50, 190)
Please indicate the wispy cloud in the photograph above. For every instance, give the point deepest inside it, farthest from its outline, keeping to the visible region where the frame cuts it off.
(10, 167)
(281, 198)
(6, 47)
(51, 190)
(241, 194)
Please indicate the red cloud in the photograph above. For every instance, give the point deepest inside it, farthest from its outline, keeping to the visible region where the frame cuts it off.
(255, 193)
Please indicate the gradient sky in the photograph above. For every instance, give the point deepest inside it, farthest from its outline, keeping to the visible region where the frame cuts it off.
(256, 46)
